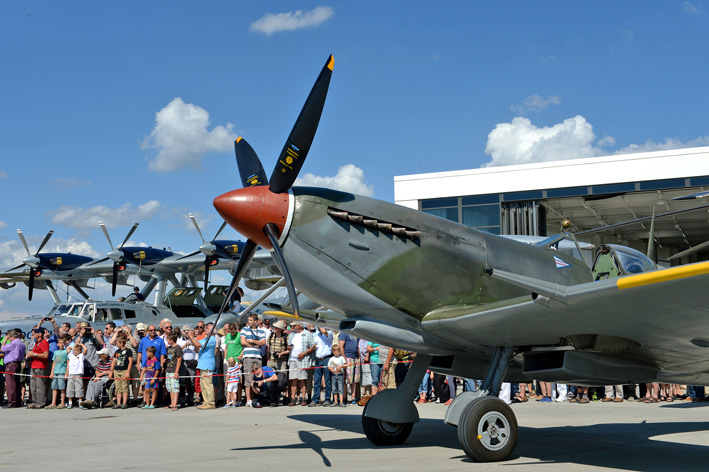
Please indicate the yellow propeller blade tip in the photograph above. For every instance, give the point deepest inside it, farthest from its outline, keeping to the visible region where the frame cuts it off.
(239, 139)
(331, 63)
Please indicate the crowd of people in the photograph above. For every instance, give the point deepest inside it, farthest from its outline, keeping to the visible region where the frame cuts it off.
(256, 364)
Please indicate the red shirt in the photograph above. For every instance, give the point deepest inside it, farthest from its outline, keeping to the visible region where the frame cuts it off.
(39, 348)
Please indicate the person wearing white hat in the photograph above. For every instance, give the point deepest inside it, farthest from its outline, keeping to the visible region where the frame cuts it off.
(101, 377)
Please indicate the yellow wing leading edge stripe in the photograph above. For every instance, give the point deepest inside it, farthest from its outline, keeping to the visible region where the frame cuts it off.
(663, 275)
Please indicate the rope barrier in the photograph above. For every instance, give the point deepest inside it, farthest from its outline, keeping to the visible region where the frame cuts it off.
(30, 375)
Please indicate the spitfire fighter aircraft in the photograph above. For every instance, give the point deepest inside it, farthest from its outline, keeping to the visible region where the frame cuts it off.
(470, 303)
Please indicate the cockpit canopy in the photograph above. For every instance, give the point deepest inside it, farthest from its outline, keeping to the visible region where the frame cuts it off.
(613, 261)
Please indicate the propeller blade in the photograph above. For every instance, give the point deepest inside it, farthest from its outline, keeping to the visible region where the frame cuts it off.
(221, 228)
(250, 168)
(31, 285)
(301, 137)
(246, 256)
(103, 227)
(271, 231)
(114, 279)
(46, 239)
(22, 240)
(206, 273)
(18, 267)
(130, 233)
(194, 222)
(189, 255)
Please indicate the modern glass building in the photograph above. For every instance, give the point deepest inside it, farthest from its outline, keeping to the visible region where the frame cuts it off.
(534, 199)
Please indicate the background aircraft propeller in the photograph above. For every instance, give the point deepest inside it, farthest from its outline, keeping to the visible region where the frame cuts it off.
(116, 254)
(209, 249)
(288, 166)
(32, 261)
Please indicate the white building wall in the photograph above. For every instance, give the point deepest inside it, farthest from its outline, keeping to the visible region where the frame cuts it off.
(676, 163)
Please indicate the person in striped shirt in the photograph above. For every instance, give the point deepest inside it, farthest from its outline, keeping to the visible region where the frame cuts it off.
(252, 338)
(233, 375)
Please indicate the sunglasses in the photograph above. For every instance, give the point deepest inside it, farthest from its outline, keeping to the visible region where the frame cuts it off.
(151, 330)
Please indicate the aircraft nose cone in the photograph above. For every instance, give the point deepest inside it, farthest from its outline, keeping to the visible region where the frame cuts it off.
(31, 261)
(115, 255)
(249, 209)
(208, 249)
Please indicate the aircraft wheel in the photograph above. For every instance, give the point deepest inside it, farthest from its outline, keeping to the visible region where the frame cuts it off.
(487, 430)
(384, 433)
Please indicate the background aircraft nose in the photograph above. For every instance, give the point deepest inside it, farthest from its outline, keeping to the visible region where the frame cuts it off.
(248, 210)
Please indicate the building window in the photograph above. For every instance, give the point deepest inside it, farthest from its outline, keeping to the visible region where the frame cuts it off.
(481, 215)
(447, 213)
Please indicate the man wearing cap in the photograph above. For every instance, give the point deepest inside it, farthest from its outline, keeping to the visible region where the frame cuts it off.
(13, 351)
(138, 296)
(278, 352)
(38, 358)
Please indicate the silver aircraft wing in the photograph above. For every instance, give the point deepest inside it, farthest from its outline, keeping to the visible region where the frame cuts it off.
(656, 318)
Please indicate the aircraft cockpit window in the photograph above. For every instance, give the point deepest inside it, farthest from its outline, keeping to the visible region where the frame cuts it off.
(632, 261)
(100, 315)
(114, 314)
(60, 310)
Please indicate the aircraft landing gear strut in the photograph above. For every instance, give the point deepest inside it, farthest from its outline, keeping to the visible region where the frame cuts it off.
(487, 427)
(389, 416)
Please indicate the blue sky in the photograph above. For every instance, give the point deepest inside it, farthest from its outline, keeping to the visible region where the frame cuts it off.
(127, 111)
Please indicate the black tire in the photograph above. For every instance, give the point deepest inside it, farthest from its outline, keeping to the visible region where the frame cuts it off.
(384, 433)
(488, 430)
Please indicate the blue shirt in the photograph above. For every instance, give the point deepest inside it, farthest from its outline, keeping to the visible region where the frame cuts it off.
(206, 355)
(146, 342)
(267, 374)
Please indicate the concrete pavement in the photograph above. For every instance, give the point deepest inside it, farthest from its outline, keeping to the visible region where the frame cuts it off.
(568, 437)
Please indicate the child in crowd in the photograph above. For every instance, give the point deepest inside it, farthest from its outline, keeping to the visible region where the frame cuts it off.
(172, 370)
(336, 365)
(122, 363)
(59, 373)
(148, 378)
(232, 384)
(74, 374)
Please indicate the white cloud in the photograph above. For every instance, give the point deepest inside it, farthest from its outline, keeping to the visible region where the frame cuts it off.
(3, 225)
(182, 138)
(521, 142)
(692, 8)
(535, 103)
(668, 143)
(3, 174)
(77, 217)
(349, 178)
(276, 22)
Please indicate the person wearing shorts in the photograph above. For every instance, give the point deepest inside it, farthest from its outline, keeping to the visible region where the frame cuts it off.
(59, 373)
(122, 364)
(74, 374)
(173, 364)
(302, 347)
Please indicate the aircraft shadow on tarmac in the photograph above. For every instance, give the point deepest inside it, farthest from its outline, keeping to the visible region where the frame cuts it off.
(625, 446)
